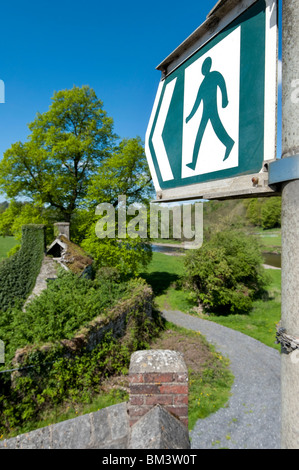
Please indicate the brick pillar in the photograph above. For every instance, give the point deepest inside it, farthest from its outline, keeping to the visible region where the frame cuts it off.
(158, 377)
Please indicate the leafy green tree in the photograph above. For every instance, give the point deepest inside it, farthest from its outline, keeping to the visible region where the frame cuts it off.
(226, 273)
(264, 212)
(82, 220)
(271, 213)
(129, 256)
(126, 172)
(66, 145)
(72, 162)
(8, 217)
(253, 212)
(19, 213)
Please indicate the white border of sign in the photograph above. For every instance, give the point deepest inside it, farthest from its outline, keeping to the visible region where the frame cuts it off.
(271, 79)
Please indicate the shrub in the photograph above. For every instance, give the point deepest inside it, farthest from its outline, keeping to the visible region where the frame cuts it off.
(128, 256)
(226, 273)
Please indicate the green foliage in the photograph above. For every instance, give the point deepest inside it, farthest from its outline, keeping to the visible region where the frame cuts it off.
(271, 213)
(54, 378)
(82, 220)
(18, 273)
(264, 212)
(65, 146)
(68, 303)
(226, 273)
(125, 172)
(253, 213)
(14, 250)
(129, 256)
(7, 219)
(72, 160)
(18, 214)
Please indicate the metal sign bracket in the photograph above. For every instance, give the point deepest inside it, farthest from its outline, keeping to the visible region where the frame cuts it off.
(284, 169)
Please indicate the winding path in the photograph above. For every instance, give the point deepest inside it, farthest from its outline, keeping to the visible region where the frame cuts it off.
(251, 419)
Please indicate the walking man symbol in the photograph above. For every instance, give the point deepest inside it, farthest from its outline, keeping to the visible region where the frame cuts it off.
(207, 94)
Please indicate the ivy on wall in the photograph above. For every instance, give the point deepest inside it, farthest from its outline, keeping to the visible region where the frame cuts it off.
(18, 273)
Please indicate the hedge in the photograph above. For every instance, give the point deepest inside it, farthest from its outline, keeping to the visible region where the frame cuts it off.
(18, 273)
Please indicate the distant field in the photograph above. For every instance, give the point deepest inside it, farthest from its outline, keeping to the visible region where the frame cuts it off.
(270, 239)
(6, 244)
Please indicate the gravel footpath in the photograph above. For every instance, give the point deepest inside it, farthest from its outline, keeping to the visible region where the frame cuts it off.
(251, 419)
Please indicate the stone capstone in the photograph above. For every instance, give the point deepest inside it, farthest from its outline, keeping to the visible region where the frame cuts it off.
(158, 429)
(153, 360)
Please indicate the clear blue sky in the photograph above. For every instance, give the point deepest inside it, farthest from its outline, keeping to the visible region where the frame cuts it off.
(112, 46)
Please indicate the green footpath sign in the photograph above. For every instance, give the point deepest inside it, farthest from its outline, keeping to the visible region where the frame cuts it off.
(214, 117)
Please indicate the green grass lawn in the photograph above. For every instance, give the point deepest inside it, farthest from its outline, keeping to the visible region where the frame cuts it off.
(6, 244)
(270, 239)
(164, 273)
(261, 322)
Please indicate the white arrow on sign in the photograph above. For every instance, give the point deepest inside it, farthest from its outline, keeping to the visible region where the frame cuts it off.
(157, 139)
(147, 135)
